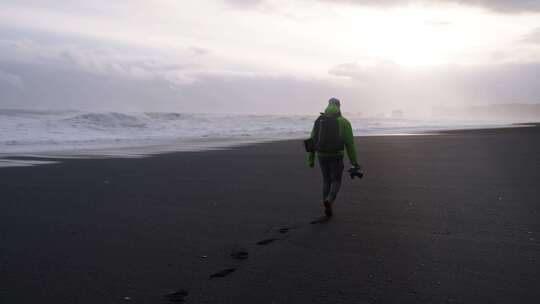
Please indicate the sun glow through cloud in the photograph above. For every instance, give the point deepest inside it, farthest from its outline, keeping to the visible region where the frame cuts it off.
(425, 36)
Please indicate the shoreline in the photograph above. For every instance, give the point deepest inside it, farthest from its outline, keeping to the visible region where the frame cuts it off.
(25, 159)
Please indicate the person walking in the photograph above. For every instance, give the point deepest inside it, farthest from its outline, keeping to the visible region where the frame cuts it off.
(331, 135)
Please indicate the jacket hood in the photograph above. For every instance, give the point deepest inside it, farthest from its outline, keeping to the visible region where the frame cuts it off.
(332, 109)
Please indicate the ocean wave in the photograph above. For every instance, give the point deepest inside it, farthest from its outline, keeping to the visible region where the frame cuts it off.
(105, 121)
(36, 131)
(167, 116)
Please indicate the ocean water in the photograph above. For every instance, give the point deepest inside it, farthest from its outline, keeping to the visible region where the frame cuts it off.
(49, 131)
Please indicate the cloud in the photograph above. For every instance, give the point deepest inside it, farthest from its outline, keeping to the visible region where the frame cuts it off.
(445, 85)
(88, 73)
(533, 37)
(64, 52)
(243, 3)
(100, 7)
(378, 87)
(217, 92)
(259, 64)
(437, 22)
(501, 6)
(199, 50)
(69, 6)
(364, 71)
(11, 79)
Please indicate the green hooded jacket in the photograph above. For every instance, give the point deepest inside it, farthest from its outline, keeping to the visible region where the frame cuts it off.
(345, 131)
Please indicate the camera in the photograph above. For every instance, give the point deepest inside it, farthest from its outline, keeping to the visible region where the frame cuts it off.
(356, 171)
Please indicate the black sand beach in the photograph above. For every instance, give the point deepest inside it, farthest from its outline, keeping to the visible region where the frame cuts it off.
(449, 218)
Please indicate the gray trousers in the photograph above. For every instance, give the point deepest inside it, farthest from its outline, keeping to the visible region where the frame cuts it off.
(332, 171)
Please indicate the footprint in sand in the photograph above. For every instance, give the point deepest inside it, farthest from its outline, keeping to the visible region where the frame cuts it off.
(288, 229)
(322, 219)
(284, 230)
(240, 255)
(266, 241)
(223, 273)
(178, 296)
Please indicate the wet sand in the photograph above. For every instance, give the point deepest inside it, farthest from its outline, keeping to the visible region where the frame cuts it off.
(448, 218)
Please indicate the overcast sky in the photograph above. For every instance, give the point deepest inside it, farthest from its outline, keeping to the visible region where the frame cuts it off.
(263, 56)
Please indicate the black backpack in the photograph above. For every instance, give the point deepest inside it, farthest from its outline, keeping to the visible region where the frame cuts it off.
(326, 135)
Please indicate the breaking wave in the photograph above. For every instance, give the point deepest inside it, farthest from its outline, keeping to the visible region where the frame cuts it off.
(24, 131)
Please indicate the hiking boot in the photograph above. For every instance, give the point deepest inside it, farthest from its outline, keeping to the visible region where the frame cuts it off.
(328, 209)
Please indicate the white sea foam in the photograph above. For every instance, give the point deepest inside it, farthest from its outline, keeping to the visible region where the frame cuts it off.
(42, 131)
